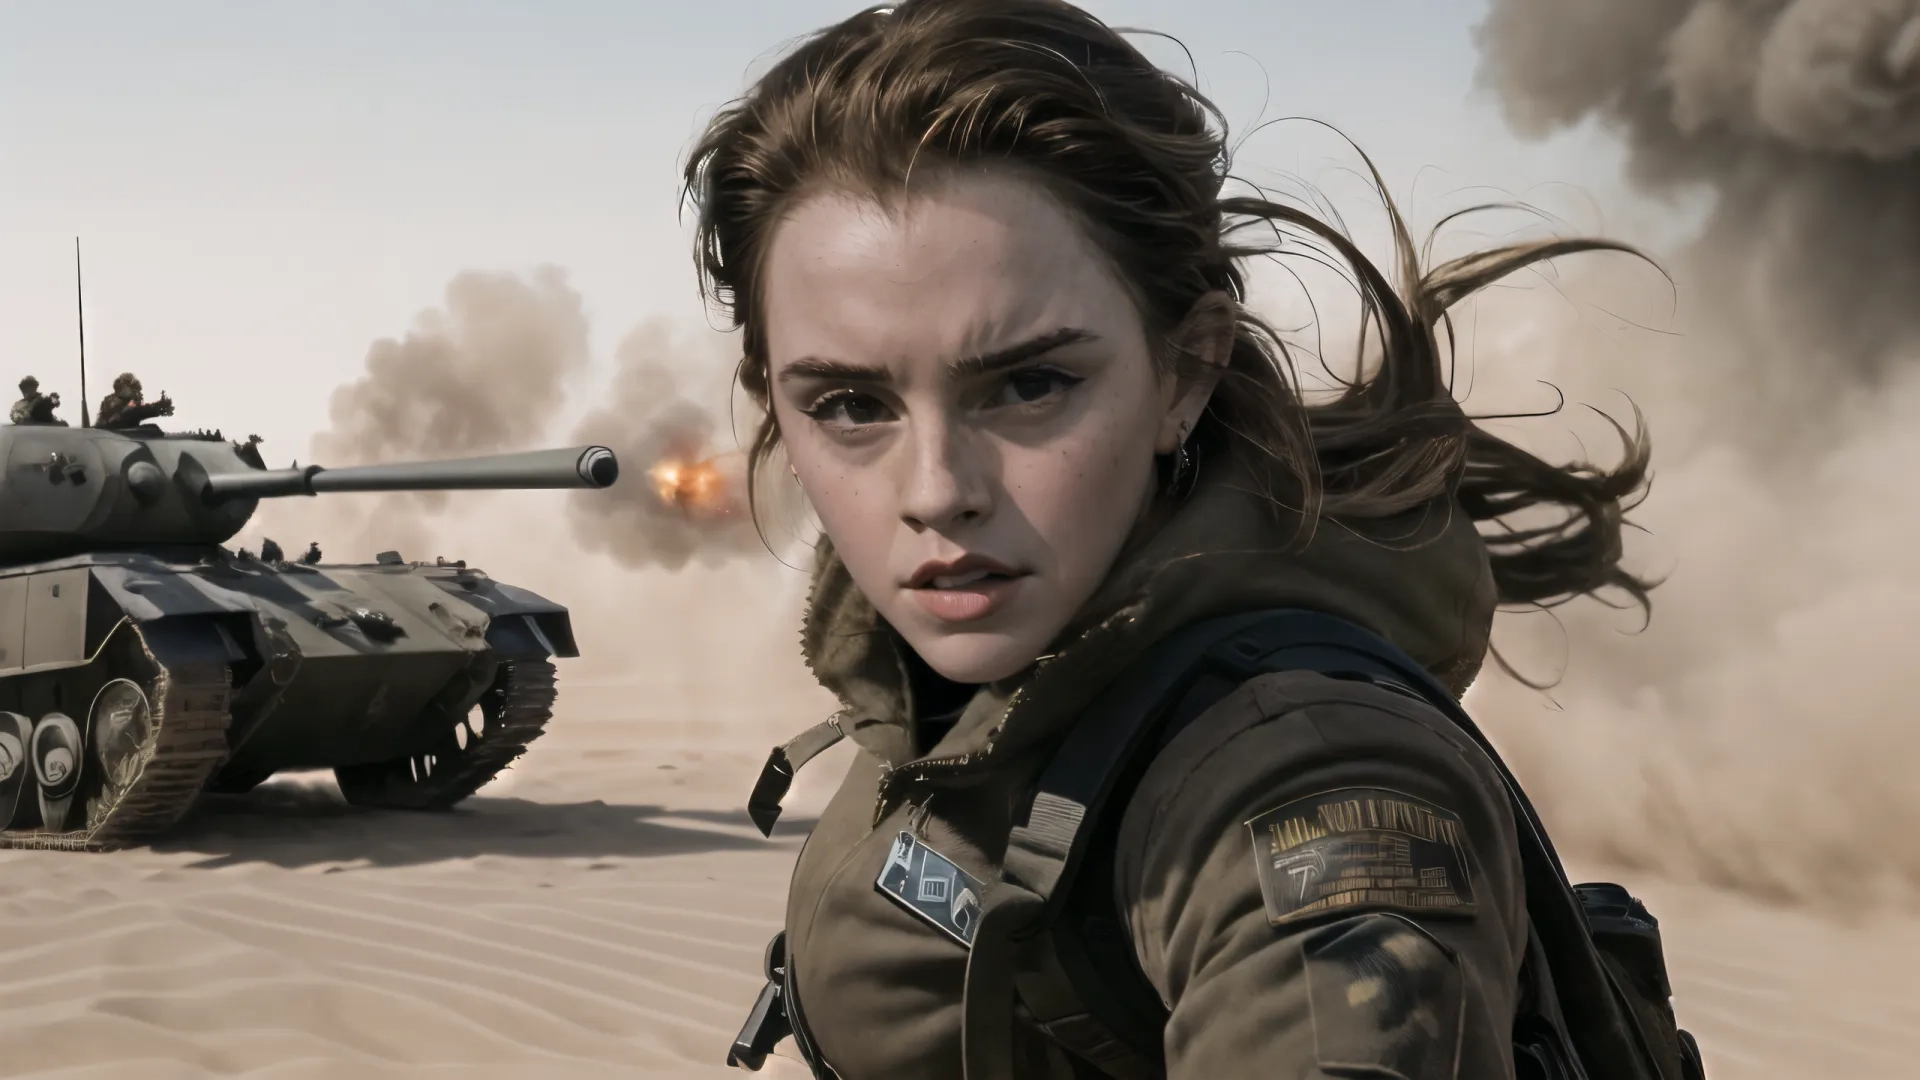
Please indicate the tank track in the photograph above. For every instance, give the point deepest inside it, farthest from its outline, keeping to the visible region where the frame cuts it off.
(526, 692)
(515, 708)
(189, 742)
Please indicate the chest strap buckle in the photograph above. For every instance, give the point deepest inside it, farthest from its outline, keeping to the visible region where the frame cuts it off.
(767, 1023)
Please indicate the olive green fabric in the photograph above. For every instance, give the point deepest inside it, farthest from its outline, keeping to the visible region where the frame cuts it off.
(1389, 990)
(881, 989)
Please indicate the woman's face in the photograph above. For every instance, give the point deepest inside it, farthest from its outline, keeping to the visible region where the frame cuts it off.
(969, 400)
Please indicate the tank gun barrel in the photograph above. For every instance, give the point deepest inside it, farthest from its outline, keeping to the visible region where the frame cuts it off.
(573, 467)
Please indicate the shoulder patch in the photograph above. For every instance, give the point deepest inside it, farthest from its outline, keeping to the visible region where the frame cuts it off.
(1361, 849)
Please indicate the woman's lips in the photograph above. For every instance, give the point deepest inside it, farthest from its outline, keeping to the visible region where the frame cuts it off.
(968, 597)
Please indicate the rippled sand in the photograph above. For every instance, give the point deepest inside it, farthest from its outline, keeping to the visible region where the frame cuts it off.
(601, 912)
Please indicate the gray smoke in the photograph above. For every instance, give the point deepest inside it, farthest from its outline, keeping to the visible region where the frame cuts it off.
(654, 517)
(1760, 733)
(485, 372)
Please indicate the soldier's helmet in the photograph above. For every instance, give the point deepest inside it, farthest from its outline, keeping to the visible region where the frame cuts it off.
(28, 385)
(126, 384)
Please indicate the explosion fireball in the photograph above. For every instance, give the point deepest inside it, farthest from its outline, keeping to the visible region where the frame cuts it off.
(698, 487)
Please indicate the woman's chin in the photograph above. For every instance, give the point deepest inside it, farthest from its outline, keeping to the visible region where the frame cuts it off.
(974, 656)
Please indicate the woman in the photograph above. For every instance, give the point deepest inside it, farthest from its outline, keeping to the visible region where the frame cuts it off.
(991, 295)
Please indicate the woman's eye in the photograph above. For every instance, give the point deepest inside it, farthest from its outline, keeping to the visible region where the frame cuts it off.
(848, 408)
(1028, 387)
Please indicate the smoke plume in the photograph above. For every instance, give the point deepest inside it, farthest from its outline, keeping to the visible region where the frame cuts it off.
(1760, 733)
(486, 372)
(681, 495)
(489, 371)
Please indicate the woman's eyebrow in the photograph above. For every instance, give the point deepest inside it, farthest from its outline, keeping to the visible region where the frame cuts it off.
(1019, 353)
(815, 367)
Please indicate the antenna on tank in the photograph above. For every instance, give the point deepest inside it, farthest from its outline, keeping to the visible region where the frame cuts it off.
(80, 306)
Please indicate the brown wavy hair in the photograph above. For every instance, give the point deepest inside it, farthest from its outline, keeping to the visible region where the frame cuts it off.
(1143, 160)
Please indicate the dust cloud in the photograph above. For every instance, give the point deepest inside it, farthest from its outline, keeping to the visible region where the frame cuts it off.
(1760, 732)
(1802, 118)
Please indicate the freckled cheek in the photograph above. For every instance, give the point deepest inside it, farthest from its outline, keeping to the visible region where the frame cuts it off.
(1080, 494)
(818, 464)
(855, 503)
(839, 493)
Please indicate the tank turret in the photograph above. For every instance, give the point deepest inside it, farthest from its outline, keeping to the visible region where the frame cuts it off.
(142, 663)
(69, 490)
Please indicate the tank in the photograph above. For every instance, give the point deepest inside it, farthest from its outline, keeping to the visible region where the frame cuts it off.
(143, 662)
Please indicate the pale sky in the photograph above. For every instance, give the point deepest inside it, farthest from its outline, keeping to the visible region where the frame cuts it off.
(264, 188)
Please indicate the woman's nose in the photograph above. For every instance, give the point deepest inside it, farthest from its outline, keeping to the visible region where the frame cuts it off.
(947, 482)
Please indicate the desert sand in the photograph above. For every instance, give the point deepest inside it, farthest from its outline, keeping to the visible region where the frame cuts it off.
(600, 911)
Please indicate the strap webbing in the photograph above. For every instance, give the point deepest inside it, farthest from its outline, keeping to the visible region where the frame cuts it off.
(776, 776)
(1047, 845)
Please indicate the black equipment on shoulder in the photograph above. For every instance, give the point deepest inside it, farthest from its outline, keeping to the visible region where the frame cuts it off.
(1595, 1001)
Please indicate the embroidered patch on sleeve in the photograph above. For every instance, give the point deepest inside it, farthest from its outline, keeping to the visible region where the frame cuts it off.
(1361, 848)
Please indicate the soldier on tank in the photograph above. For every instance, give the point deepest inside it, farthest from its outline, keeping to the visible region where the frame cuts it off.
(126, 408)
(34, 407)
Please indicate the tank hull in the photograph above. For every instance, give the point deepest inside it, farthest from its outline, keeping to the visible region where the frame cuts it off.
(380, 671)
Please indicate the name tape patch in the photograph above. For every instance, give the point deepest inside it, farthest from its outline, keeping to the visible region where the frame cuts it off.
(929, 885)
(1361, 848)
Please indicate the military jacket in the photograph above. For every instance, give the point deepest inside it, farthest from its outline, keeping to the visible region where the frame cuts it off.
(1396, 956)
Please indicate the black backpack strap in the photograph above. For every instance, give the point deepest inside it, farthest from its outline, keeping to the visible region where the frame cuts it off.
(1044, 853)
(776, 1012)
(776, 776)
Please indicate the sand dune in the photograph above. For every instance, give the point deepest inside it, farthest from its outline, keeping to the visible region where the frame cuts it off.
(600, 912)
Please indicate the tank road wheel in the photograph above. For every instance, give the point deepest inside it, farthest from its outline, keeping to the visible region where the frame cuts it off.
(512, 713)
(16, 772)
(123, 770)
(57, 752)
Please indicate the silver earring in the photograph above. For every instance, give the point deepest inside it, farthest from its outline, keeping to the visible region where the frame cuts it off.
(1183, 470)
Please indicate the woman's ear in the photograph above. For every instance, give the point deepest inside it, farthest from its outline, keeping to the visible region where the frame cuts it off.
(1201, 346)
